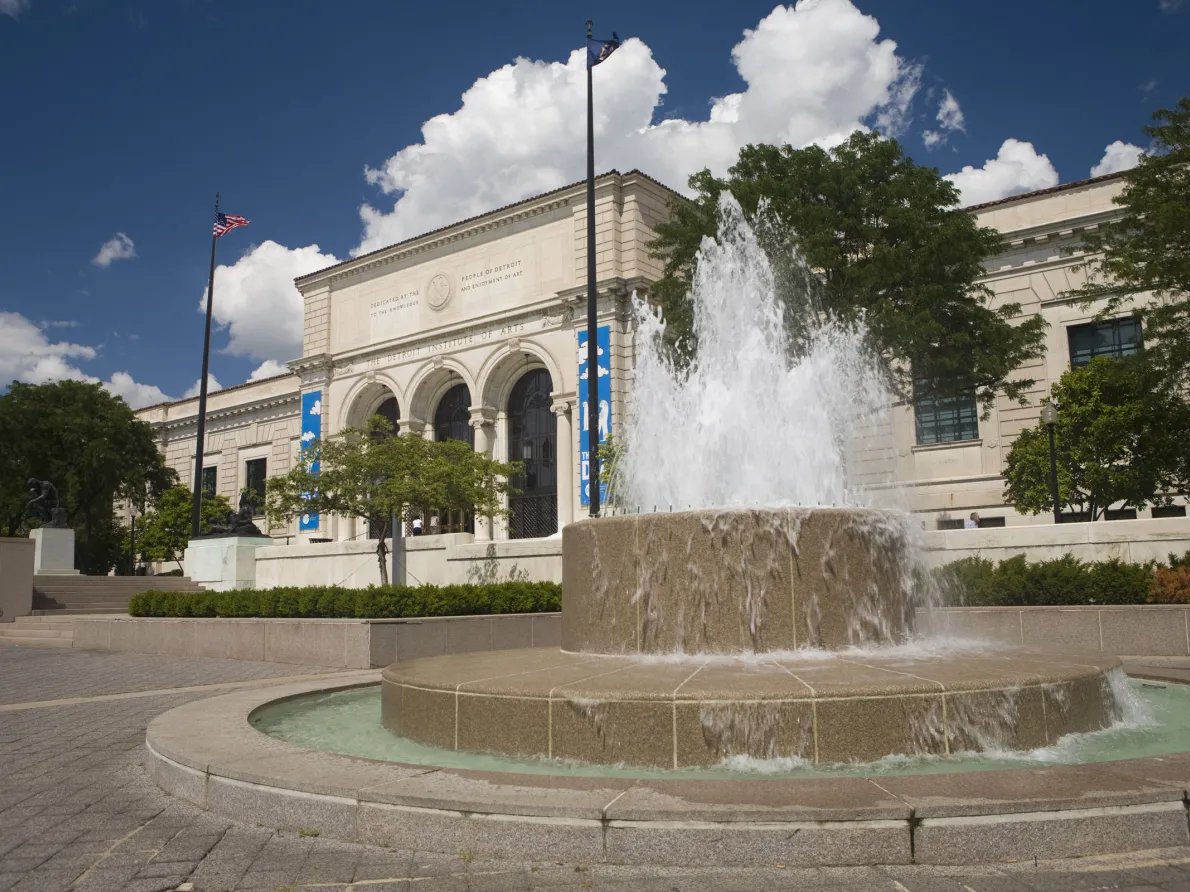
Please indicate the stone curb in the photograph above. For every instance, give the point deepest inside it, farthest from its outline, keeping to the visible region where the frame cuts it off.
(208, 754)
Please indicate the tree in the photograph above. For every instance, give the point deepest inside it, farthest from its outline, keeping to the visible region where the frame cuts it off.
(373, 475)
(94, 450)
(1117, 442)
(884, 239)
(1147, 253)
(163, 533)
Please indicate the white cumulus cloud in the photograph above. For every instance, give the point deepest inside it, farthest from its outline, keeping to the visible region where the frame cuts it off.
(192, 390)
(118, 247)
(813, 73)
(270, 368)
(135, 394)
(27, 355)
(258, 304)
(1016, 168)
(1118, 156)
(950, 115)
(13, 7)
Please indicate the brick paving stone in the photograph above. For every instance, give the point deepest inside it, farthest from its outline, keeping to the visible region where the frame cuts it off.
(79, 814)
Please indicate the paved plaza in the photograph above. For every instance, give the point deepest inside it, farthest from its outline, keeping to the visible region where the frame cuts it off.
(79, 814)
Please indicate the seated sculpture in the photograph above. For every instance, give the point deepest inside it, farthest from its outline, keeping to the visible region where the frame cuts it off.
(45, 505)
(238, 523)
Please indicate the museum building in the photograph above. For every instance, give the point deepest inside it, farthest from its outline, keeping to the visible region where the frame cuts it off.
(472, 332)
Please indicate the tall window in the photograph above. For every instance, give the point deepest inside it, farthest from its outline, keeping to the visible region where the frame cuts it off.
(209, 481)
(532, 440)
(452, 421)
(452, 418)
(255, 471)
(944, 419)
(390, 411)
(1114, 339)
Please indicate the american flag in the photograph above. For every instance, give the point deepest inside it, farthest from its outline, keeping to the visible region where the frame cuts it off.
(225, 223)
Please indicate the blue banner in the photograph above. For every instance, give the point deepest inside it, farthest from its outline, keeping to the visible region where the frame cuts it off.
(603, 344)
(311, 433)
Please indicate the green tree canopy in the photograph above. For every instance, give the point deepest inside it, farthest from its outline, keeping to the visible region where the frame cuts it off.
(885, 239)
(92, 447)
(163, 533)
(1146, 254)
(1119, 440)
(373, 475)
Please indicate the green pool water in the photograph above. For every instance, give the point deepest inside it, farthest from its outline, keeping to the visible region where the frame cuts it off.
(1156, 722)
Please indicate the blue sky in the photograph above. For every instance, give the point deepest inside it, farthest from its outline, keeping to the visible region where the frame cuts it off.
(126, 116)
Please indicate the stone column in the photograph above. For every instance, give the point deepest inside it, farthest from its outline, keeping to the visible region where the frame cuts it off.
(483, 421)
(564, 455)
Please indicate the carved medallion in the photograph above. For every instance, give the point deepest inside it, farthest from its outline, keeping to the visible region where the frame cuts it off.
(439, 291)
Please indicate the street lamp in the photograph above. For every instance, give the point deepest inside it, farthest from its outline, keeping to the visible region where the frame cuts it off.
(1049, 417)
(131, 537)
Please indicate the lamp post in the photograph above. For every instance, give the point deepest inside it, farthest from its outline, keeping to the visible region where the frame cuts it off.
(1049, 417)
(131, 537)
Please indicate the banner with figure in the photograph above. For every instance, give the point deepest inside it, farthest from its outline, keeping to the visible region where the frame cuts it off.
(603, 345)
(311, 432)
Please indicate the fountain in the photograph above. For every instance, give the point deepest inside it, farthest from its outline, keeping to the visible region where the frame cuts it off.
(772, 617)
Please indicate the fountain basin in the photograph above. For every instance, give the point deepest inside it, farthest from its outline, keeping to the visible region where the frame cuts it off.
(732, 581)
(689, 712)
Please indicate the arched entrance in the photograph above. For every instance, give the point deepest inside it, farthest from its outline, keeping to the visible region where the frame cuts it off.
(452, 418)
(452, 421)
(390, 412)
(532, 440)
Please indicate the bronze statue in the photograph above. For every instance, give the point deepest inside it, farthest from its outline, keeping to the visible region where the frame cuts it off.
(238, 523)
(45, 504)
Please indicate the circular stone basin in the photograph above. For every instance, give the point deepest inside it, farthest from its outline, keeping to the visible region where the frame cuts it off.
(691, 712)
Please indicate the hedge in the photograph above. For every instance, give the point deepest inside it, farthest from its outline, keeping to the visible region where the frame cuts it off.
(346, 603)
(976, 582)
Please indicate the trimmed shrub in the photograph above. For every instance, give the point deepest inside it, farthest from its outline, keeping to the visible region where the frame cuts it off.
(1171, 586)
(976, 582)
(347, 603)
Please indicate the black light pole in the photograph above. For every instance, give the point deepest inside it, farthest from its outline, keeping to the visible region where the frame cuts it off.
(592, 309)
(131, 538)
(1049, 417)
(196, 510)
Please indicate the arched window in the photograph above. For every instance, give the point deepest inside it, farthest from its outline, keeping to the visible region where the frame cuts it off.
(390, 411)
(452, 419)
(532, 440)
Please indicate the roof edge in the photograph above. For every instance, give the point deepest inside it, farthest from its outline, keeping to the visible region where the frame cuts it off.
(1061, 187)
(187, 399)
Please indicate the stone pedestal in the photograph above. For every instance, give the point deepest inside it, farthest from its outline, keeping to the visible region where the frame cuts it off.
(16, 578)
(222, 563)
(53, 552)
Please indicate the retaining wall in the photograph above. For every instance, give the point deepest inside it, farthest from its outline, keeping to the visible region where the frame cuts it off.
(1153, 630)
(333, 643)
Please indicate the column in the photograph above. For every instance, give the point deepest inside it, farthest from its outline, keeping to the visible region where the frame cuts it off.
(483, 422)
(565, 459)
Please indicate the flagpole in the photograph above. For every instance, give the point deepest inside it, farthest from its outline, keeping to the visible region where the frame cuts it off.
(200, 448)
(592, 320)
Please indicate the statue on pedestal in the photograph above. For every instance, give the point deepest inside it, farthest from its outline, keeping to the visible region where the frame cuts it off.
(238, 523)
(45, 504)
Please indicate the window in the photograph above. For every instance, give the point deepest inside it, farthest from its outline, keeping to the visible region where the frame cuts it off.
(1121, 514)
(985, 522)
(255, 471)
(1114, 339)
(209, 480)
(950, 523)
(531, 432)
(944, 419)
(1169, 511)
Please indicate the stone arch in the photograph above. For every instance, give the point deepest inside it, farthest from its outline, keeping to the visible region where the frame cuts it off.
(431, 383)
(365, 397)
(503, 368)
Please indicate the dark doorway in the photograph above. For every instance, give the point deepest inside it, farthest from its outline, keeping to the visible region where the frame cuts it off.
(532, 440)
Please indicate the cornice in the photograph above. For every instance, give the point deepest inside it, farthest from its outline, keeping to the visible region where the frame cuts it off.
(222, 415)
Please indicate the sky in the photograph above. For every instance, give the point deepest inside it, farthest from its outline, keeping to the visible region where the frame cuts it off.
(339, 128)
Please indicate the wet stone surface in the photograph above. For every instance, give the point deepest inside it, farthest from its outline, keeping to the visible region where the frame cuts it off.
(78, 812)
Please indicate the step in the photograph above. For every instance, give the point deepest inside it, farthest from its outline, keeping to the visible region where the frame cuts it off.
(34, 632)
(82, 611)
(36, 642)
(41, 622)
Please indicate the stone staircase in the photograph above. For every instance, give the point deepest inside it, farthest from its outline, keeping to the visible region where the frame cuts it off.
(53, 595)
(38, 631)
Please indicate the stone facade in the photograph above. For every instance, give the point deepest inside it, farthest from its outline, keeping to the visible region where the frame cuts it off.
(487, 301)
